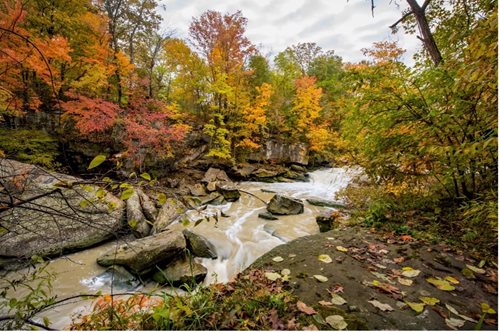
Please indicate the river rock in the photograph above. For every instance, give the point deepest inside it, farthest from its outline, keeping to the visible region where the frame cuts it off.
(118, 277)
(142, 255)
(327, 221)
(169, 212)
(58, 216)
(229, 191)
(148, 207)
(265, 173)
(135, 218)
(211, 198)
(197, 190)
(182, 271)
(211, 186)
(325, 203)
(267, 216)
(215, 175)
(199, 245)
(284, 205)
(243, 170)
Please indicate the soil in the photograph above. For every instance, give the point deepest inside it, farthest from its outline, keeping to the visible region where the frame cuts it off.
(366, 266)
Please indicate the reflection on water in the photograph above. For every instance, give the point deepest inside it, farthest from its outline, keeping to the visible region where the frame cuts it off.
(239, 238)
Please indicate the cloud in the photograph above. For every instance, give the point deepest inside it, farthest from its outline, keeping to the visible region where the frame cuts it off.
(345, 27)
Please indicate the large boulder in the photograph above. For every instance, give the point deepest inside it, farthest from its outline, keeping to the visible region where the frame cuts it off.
(52, 213)
(284, 205)
(229, 191)
(214, 175)
(142, 255)
(140, 226)
(199, 245)
(182, 271)
(283, 153)
(169, 212)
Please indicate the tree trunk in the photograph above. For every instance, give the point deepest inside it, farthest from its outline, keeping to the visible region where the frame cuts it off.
(425, 31)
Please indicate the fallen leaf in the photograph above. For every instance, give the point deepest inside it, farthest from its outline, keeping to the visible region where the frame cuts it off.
(490, 321)
(409, 272)
(485, 307)
(451, 309)
(325, 259)
(490, 288)
(341, 249)
(406, 282)
(325, 303)
(380, 276)
(278, 259)
(381, 306)
(337, 322)
(452, 280)
(417, 307)
(320, 278)
(337, 299)
(440, 284)
(305, 308)
(273, 276)
(285, 272)
(429, 300)
(475, 269)
(292, 255)
(441, 312)
(380, 266)
(337, 288)
(454, 323)
(398, 260)
(405, 238)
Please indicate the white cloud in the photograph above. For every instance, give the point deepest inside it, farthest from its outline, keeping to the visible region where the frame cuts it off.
(345, 27)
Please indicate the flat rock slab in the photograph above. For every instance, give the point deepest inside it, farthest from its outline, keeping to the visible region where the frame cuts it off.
(284, 205)
(141, 256)
(361, 266)
(55, 214)
(325, 203)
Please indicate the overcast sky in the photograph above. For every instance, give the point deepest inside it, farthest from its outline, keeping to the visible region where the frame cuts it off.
(340, 25)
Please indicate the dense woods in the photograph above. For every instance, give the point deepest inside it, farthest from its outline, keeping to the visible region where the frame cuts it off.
(81, 78)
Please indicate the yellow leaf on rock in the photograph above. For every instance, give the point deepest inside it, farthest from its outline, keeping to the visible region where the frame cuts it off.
(417, 307)
(342, 249)
(440, 284)
(452, 280)
(429, 300)
(325, 259)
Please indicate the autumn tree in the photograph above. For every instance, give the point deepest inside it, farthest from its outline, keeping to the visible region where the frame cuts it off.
(221, 41)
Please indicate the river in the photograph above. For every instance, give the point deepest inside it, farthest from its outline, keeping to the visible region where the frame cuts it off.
(240, 238)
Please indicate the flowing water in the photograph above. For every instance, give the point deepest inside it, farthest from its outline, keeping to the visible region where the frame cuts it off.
(239, 238)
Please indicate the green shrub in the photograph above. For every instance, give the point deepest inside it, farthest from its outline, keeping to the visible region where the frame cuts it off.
(29, 146)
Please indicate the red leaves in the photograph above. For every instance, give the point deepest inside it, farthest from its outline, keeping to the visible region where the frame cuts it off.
(91, 115)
